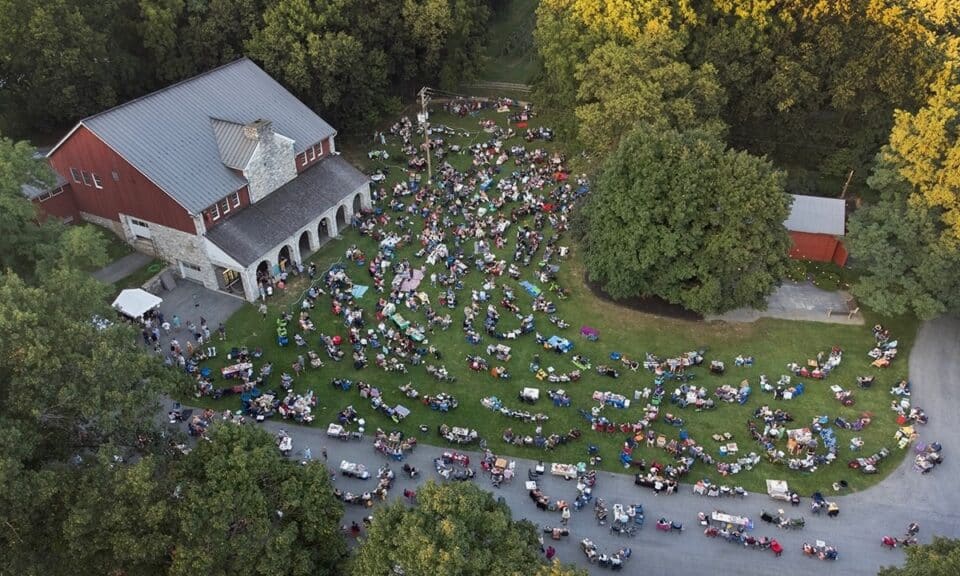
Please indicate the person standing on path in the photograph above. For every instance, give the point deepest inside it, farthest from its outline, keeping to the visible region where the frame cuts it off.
(176, 322)
(263, 310)
(324, 453)
(223, 332)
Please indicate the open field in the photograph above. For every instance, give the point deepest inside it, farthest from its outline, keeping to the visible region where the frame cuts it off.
(772, 343)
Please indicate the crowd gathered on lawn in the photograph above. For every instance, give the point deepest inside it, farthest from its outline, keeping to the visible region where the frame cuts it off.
(516, 198)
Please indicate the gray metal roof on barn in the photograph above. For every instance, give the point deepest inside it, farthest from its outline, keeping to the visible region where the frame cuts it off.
(817, 215)
(247, 236)
(235, 148)
(168, 136)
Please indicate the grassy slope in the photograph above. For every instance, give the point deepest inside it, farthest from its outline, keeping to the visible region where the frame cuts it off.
(773, 343)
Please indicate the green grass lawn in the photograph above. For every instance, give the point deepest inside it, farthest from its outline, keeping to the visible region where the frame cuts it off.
(773, 343)
(824, 275)
(141, 275)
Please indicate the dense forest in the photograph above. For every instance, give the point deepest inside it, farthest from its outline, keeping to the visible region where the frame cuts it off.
(834, 92)
(351, 60)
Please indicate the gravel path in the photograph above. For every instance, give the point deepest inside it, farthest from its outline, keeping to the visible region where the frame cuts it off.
(932, 500)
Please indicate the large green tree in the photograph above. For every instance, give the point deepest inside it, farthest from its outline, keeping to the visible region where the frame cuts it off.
(939, 558)
(680, 216)
(925, 149)
(310, 47)
(70, 393)
(244, 509)
(61, 60)
(455, 529)
(645, 81)
(23, 239)
(908, 263)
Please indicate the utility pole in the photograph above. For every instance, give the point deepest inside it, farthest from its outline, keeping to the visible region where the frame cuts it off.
(424, 118)
(849, 178)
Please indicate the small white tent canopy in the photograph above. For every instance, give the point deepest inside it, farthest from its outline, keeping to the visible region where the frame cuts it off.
(135, 302)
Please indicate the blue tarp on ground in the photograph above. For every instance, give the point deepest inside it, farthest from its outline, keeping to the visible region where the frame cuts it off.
(358, 291)
(531, 289)
(564, 344)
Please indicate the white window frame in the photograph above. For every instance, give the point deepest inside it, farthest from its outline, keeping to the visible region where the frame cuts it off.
(84, 175)
(225, 206)
(313, 153)
(56, 191)
(235, 199)
(304, 155)
(140, 223)
(97, 182)
(215, 212)
(75, 174)
(43, 197)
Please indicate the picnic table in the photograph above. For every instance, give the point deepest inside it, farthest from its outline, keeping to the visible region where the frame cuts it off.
(568, 471)
(778, 489)
(724, 518)
(235, 370)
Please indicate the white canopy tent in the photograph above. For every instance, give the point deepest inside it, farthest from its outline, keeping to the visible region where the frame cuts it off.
(135, 302)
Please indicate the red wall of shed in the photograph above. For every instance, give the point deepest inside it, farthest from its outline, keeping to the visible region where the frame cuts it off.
(817, 247)
(133, 193)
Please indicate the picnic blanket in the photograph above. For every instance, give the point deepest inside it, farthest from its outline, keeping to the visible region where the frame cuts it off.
(561, 343)
(359, 290)
(531, 289)
(411, 282)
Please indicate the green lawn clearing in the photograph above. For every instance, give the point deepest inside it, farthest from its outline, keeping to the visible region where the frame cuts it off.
(773, 343)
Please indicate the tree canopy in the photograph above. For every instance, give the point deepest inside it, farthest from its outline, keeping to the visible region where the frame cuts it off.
(349, 59)
(24, 240)
(644, 82)
(939, 558)
(245, 509)
(680, 216)
(908, 263)
(925, 149)
(455, 529)
(812, 84)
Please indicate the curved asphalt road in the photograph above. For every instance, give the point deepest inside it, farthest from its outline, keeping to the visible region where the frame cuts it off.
(933, 500)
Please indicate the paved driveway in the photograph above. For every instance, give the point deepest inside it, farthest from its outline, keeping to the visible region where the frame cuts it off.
(798, 301)
(191, 302)
(122, 267)
(933, 500)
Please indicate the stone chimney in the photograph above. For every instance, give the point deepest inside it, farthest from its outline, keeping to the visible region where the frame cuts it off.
(258, 130)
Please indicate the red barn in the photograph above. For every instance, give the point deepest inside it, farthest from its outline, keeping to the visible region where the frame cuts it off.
(816, 227)
(226, 174)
